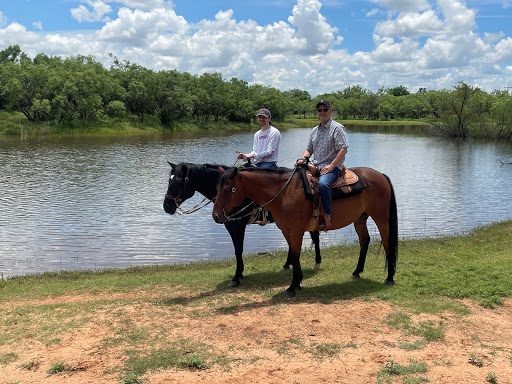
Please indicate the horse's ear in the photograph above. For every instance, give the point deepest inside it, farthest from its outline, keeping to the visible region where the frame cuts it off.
(173, 166)
(221, 170)
(234, 173)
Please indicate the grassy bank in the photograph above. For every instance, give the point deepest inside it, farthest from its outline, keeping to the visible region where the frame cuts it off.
(144, 320)
(432, 274)
(15, 123)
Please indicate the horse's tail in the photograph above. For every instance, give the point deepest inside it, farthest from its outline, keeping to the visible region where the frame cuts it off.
(393, 228)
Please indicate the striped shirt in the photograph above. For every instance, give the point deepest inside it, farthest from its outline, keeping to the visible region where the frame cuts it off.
(325, 143)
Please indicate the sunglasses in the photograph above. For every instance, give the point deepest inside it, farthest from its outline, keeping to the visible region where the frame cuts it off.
(322, 109)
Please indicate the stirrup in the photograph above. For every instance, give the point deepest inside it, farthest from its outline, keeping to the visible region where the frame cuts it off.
(262, 217)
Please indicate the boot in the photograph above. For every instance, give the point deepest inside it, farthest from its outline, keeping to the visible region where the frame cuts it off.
(326, 225)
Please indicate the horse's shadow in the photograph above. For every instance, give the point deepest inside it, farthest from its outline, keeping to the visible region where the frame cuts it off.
(325, 294)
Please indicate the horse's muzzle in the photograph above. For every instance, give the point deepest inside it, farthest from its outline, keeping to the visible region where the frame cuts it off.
(170, 206)
(219, 218)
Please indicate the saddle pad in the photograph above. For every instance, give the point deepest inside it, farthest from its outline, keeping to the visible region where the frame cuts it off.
(345, 185)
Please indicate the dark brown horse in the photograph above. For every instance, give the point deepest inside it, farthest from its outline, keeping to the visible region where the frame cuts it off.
(187, 178)
(282, 192)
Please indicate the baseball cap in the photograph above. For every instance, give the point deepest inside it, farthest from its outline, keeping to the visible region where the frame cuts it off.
(324, 102)
(264, 112)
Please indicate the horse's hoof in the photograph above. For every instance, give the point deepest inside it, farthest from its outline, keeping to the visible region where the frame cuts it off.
(234, 284)
(354, 277)
(289, 294)
(286, 266)
(317, 267)
(389, 283)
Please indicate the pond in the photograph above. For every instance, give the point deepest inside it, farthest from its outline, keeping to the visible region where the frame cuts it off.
(89, 203)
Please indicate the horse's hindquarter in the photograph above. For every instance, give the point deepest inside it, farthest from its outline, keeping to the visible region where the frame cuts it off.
(370, 200)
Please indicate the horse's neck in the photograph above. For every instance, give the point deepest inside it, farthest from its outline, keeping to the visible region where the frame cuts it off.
(262, 187)
(206, 182)
(207, 187)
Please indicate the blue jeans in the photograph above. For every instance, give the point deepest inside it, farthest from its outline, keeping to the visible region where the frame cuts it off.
(324, 184)
(266, 164)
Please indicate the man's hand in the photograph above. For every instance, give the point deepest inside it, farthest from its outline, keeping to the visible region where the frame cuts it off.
(326, 169)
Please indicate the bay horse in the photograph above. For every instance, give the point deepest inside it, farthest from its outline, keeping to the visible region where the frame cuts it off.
(187, 178)
(281, 192)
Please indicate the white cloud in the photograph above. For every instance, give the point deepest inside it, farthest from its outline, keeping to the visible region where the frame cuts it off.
(38, 25)
(411, 24)
(83, 14)
(312, 26)
(372, 12)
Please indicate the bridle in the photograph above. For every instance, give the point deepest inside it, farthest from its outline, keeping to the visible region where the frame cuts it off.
(178, 200)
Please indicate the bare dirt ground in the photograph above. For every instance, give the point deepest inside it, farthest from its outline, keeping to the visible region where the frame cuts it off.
(286, 343)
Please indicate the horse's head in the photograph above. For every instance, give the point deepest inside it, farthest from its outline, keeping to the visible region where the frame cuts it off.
(230, 194)
(180, 188)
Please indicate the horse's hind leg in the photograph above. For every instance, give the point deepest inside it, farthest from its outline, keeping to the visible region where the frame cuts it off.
(364, 242)
(315, 237)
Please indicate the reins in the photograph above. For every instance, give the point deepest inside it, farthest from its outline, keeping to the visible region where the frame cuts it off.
(260, 208)
(196, 208)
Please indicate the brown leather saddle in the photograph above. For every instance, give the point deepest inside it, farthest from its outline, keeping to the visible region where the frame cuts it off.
(348, 183)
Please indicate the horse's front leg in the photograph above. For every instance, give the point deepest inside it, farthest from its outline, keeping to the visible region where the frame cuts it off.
(294, 246)
(236, 230)
(315, 238)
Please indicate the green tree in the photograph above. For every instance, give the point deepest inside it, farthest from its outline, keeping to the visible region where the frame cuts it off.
(459, 110)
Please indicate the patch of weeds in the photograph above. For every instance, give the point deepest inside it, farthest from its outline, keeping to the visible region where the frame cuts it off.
(350, 344)
(52, 342)
(7, 358)
(58, 367)
(416, 380)
(182, 354)
(392, 369)
(476, 361)
(418, 344)
(29, 365)
(441, 363)
(324, 350)
(429, 331)
(193, 360)
(491, 378)
(131, 378)
(286, 346)
(426, 329)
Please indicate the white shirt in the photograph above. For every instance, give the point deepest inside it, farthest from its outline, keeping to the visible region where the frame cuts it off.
(266, 144)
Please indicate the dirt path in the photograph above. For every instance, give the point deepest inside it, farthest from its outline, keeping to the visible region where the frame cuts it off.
(290, 343)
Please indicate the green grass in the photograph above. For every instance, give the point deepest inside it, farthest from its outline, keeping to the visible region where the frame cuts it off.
(433, 276)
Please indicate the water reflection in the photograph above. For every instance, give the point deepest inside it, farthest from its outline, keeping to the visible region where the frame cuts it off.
(93, 203)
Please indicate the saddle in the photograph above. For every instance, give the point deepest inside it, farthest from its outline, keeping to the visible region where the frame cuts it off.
(348, 183)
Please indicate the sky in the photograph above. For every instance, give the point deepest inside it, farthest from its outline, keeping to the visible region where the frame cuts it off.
(318, 46)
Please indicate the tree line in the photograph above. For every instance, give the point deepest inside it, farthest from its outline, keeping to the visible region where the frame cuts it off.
(59, 90)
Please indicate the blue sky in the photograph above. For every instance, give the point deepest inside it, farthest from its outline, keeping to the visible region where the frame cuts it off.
(313, 45)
